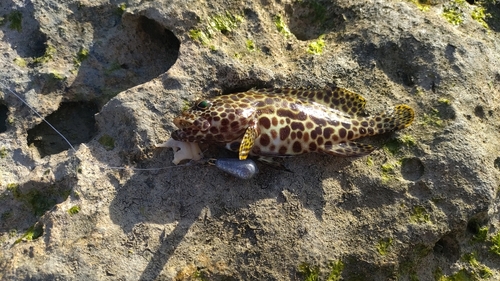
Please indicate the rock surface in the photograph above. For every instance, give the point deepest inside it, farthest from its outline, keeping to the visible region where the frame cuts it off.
(413, 210)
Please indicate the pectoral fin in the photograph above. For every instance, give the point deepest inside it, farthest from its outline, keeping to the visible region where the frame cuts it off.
(247, 142)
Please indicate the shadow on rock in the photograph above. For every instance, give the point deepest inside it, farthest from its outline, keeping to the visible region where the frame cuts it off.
(182, 193)
(127, 50)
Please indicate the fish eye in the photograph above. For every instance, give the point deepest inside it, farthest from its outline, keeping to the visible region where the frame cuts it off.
(203, 104)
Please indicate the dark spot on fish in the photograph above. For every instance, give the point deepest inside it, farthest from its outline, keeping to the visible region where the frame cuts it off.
(284, 133)
(241, 95)
(355, 123)
(299, 134)
(371, 131)
(285, 113)
(272, 148)
(283, 150)
(216, 119)
(235, 124)
(335, 138)
(282, 121)
(327, 132)
(265, 140)
(309, 125)
(318, 131)
(378, 119)
(346, 125)
(326, 99)
(342, 133)
(345, 108)
(362, 131)
(274, 134)
(302, 116)
(265, 122)
(319, 96)
(328, 144)
(297, 126)
(350, 135)
(334, 123)
(364, 124)
(320, 140)
(224, 122)
(275, 121)
(214, 130)
(293, 135)
(380, 125)
(269, 101)
(306, 137)
(297, 147)
(231, 116)
(312, 146)
(256, 150)
(318, 121)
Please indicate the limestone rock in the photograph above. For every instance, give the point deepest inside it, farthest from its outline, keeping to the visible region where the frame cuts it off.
(111, 76)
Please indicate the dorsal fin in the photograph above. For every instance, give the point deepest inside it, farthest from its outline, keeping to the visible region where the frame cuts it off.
(336, 98)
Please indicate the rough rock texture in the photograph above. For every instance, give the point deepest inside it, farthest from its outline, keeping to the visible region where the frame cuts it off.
(410, 211)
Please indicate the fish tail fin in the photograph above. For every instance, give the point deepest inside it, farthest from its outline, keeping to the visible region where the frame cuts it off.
(401, 116)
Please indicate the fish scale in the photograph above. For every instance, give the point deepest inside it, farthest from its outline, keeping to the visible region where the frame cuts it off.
(287, 122)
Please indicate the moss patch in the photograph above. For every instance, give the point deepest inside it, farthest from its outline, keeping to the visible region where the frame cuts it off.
(74, 210)
(82, 55)
(250, 45)
(495, 248)
(222, 23)
(3, 152)
(50, 51)
(39, 200)
(432, 118)
(107, 141)
(20, 62)
(15, 19)
(281, 26)
(383, 246)
(423, 5)
(420, 215)
(310, 273)
(32, 233)
(453, 12)
(480, 15)
(316, 47)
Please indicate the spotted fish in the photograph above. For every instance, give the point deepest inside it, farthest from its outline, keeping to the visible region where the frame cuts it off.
(286, 122)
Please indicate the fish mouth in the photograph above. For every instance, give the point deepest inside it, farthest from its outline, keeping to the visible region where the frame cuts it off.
(182, 123)
(199, 124)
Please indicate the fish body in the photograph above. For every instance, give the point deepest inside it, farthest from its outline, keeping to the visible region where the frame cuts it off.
(287, 122)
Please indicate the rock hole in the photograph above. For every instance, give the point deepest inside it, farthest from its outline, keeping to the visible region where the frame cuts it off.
(4, 111)
(479, 112)
(475, 223)
(75, 120)
(128, 53)
(447, 247)
(412, 169)
(496, 163)
(310, 19)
